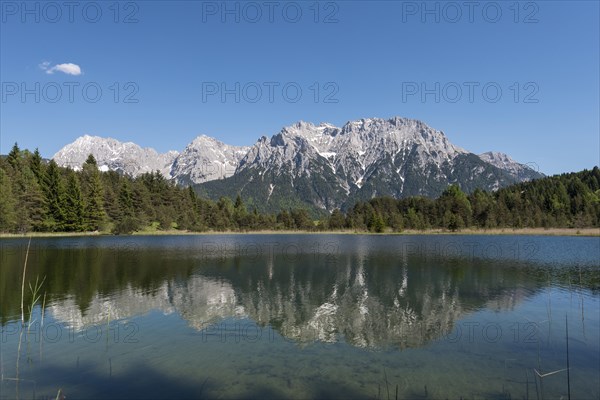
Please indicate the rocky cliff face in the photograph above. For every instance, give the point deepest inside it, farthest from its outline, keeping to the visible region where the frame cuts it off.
(329, 167)
(206, 159)
(521, 172)
(111, 154)
(320, 166)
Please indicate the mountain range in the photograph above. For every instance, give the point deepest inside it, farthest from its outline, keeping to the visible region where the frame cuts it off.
(316, 166)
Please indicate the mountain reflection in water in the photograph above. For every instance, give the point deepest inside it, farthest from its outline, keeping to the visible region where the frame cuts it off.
(370, 297)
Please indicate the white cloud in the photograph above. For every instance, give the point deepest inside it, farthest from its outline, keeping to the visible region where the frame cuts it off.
(66, 68)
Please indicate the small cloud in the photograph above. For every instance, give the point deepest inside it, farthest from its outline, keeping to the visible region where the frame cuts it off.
(67, 68)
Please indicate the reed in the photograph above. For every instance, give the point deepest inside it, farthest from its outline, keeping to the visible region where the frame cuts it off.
(537, 391)
(568, 369)
(35, 297)
(107, 327)
(526, 384)
(42, 325)
(549, 308)
(35, 291)
(23, 283)
(547, 374)
(387, 386)
(16, 379)
(539, 375)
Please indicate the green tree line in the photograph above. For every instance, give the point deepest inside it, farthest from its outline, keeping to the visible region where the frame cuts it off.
(39, 196)
(569, 200)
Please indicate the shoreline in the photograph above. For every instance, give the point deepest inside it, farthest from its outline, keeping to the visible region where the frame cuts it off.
(582, 232)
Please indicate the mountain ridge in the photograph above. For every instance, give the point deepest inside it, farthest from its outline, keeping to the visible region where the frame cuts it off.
(322, 165)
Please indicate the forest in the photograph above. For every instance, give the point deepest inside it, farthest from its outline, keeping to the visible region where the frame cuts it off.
(39, 196)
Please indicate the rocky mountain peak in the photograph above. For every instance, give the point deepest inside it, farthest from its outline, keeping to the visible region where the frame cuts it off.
(111, 154)
(206, 159)
(322, 165)
(522, 172)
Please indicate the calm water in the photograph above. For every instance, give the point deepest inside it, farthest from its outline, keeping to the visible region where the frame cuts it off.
(302, 316)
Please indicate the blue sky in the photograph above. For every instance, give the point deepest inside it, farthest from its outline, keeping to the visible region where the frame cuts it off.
(162, 68)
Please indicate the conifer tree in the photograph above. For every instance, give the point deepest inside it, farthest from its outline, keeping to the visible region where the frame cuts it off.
(7, 203)
(285, 220)
(93, 195)
(55, 198)
(126, 222)
(376, 223)
(126, 200)
(36, 166)
(240, 213)
(336, 220)
(14, 157)
(31, 203)
(74, 221)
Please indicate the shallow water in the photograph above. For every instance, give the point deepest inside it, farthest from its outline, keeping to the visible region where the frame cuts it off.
(302, 316)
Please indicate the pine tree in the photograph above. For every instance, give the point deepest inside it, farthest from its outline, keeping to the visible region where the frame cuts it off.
(336, 220)
(376, 223)
(285, 220)
(127, 222)
(142, 204)
(74, 213)
(36, 166)
(126, 200)
(302, 219)
(240, 214)
(55, 198)
(93, 195)
(196, 220)
(14, 157)
(31, 208)
(396, 222)
(415, 219)
(7, 203)
(452, 221)
(482, 208)
(91, 160)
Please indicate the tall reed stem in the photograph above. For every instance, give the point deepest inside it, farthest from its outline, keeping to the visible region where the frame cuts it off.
(23, 283)
(568, 369)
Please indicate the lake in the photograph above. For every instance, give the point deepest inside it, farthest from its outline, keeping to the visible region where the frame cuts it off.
(301, 316)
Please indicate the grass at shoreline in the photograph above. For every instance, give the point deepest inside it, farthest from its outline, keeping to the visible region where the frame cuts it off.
(495, 231)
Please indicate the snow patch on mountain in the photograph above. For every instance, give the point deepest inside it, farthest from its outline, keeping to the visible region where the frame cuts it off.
(366, 157)
(111, 154)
